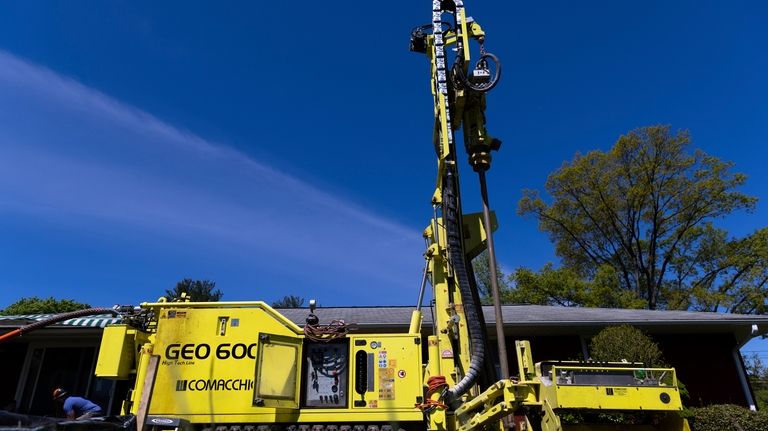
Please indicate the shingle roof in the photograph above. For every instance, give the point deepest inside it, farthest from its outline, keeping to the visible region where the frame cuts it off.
(531, 320)
(513, 316)
(530, 315)
(516, 314)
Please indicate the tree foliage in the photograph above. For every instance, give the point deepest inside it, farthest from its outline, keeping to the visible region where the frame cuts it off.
(196, 290)
(724, 273)
(625, 343)
(758, 378)
(482, 270)
(35, 305)
(289, 301)
(645, 209)
(565, 287)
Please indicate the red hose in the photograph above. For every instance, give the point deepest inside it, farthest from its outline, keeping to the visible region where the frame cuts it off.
(434, 384)
(54, 319)
(8, 336)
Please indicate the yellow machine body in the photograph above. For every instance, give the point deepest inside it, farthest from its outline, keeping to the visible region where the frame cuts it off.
(116, 355)
(245, 363)
(637, 395)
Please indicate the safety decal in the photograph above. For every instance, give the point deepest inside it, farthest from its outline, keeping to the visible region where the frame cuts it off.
(386, 383)
(616, 391)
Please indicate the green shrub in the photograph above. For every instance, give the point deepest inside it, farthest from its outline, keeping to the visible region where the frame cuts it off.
(727, 417)
(625, 342)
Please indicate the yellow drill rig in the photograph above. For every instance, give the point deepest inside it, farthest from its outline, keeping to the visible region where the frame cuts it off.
(243, 366)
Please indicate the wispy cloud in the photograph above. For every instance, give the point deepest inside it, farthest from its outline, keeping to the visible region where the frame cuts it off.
(72, 154)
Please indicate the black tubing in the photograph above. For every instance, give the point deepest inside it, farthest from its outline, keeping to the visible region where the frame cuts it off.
(58, 318)
(453, 230)
(489, 375)
(482, 88)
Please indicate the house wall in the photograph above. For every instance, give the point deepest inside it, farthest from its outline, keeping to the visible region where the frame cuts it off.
(545, 348)
(706, 366)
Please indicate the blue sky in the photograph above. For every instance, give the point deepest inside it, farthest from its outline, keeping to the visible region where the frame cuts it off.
(278, 150)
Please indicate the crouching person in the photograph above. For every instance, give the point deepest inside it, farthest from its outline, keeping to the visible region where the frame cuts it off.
(76, 408)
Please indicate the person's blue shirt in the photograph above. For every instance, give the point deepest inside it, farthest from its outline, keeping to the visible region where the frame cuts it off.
(80, 406)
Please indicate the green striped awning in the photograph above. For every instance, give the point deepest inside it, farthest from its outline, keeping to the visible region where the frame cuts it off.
(95, 321)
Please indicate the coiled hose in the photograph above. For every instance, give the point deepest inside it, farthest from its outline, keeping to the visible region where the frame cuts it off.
(458, 262)
(55, 319)
(484, 87)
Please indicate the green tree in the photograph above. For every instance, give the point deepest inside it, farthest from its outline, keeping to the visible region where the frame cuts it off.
(289, 301)
(565, 287)
(726, 273)
(35, 305)
(482, 270)
(645, 208)
(758, 378)
(197, 290)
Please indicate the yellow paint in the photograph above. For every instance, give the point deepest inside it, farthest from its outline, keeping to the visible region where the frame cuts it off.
(242, 362)
(116, 353)
(615, 397)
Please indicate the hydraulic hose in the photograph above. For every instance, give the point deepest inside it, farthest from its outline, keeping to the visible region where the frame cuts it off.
(480, 87)
(458, 262)
(489, 375)
(55, 319)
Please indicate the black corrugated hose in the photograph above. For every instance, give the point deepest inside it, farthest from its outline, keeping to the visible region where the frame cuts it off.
(459, 265)
(55, 319)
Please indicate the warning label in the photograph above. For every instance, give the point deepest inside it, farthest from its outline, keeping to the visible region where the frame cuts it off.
(616, 391)
(386, 383)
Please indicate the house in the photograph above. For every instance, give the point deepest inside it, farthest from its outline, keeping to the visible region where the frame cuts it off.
(703, 347)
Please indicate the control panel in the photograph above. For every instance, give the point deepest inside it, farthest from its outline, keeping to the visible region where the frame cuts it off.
(326, 375)
(386, 371)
